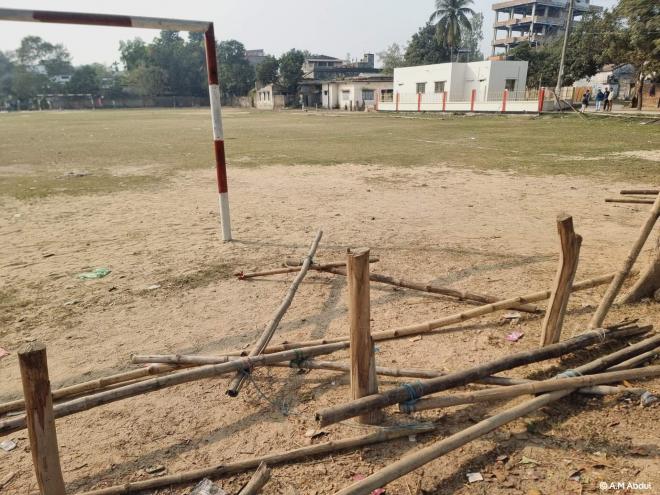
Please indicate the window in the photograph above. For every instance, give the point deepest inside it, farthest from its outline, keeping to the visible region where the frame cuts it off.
(386, 95)
(345, 95)
(440, 86)
(368, 95)
(421, 87)
(510, 84)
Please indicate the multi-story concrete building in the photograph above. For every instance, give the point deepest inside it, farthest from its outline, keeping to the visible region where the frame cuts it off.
(517, 21)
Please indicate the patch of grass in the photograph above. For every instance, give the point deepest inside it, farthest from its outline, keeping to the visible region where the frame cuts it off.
(37, 148)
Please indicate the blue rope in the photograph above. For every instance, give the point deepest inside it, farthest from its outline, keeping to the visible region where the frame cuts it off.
(569, 374)
(414, 394)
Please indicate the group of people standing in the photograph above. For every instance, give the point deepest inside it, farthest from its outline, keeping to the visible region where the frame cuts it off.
(603, 100)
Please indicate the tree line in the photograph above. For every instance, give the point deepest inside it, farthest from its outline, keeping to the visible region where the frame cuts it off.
(170, 65)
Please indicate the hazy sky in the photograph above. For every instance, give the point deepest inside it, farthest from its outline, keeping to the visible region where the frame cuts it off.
(333, 27)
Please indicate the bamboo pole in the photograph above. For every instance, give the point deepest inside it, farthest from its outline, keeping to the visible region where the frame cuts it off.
(294, 266)
(568, 262)
(269, 331)
(637, 201)
(434, 289)
(218, 470)
(616, 284)
(649, 281)
(364, 381)
(417, 459)
(417, 390)
(175, 378)
(637, 360)
(430, 326)
(257, 482)
(528, 389)
(40, 420)
(651, 192)
(92, 385)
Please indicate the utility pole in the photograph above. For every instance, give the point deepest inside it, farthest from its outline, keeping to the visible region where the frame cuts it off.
(560, 76)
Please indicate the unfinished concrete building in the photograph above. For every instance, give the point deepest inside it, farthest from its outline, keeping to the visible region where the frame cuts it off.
(517, 21)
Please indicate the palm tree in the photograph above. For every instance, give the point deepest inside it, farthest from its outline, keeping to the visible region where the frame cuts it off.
(451, 20)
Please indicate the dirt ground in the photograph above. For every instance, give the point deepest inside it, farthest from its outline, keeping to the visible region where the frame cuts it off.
(171, 289)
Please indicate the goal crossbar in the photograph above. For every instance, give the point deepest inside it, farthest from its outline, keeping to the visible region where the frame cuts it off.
(111, 20)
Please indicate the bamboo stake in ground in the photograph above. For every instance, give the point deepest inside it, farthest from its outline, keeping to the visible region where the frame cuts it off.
(616, 284)
(430, 326)
(417, 390)
(649, 281)
(417, 459)
(40, 419)
(259, 479)
(433, 289)
(529, 389)
(363, 363)
(175, 378)
(218, 470)
(561, 290)
(267, 335)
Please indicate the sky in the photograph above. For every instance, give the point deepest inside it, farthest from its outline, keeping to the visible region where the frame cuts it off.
(334, 27)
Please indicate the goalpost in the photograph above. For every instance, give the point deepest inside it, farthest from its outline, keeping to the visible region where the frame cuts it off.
(160, 24)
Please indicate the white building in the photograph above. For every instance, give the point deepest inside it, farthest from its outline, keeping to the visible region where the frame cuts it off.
(356, 93)
(472, 86)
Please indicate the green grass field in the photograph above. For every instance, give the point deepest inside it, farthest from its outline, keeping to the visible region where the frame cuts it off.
(37, 150)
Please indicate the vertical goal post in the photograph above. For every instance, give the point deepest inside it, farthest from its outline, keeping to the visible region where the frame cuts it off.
(111, 20)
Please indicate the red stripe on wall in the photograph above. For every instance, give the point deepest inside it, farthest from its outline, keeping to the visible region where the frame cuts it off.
(221, 165)
(78, 18)
(211, 57)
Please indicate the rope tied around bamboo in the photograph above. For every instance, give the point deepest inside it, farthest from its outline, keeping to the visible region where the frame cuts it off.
(354, 408)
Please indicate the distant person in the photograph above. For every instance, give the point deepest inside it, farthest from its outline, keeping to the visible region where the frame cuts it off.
(606, 99)
(600, 96)
(585, 101)
(610, 100)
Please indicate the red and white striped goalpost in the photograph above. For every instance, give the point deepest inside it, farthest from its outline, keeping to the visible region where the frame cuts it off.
(161, 24)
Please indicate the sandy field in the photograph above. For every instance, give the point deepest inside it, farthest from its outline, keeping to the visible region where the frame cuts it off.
(171, 290)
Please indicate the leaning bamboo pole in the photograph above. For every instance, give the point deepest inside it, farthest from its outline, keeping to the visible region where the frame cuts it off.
(434, 289)
(257, 482)
(265, 338)
(417, 390)
(175, 378)
(93, 385)
(528, 389)
(430, 326)
(417, 459)
(649, 281)
(616, 284)
(218, 470)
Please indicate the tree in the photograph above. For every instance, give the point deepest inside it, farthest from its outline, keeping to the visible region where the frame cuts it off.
(451, 18)
(146, 81)
(471, 41)
(237, 76)
(267, 70)
(6, 75)
(638, 42)
(543, 62)
(291, 69)
(425, 47)
(391, 58)
(85, 80)
(36, 54)
(133, 53)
